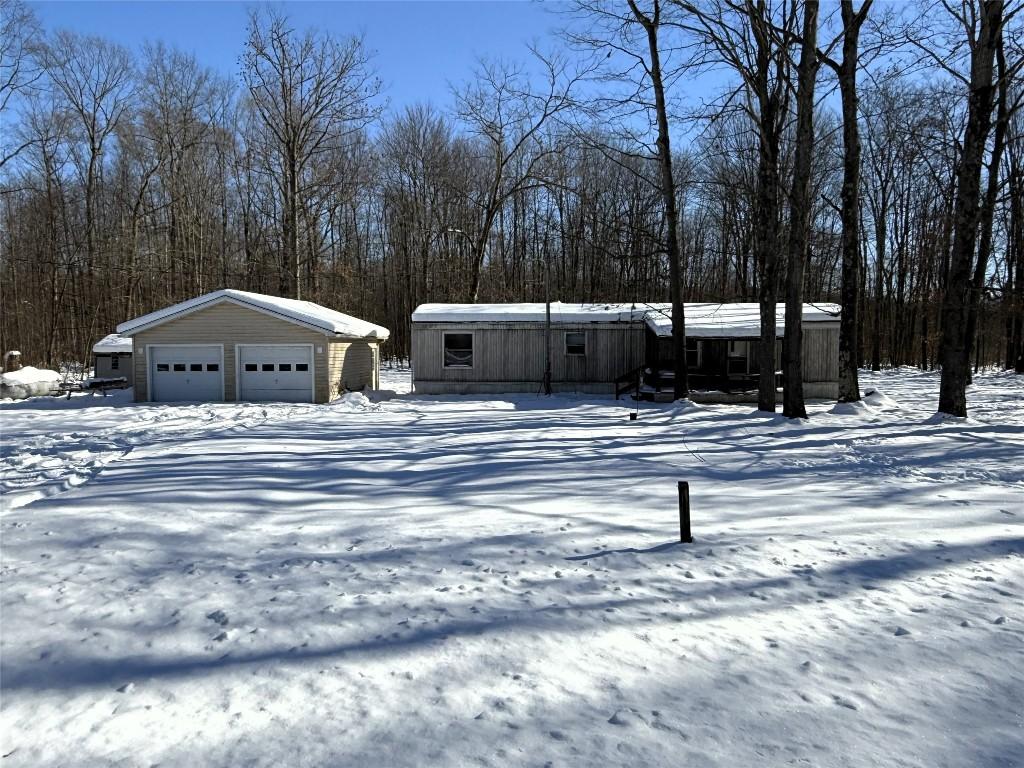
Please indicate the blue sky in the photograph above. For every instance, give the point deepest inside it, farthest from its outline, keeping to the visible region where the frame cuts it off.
(420, 46)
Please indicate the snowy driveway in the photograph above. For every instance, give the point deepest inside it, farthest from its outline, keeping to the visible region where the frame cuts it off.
(463, 581)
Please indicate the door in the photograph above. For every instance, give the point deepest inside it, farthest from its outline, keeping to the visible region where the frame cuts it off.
(282, 372)
(186, 373)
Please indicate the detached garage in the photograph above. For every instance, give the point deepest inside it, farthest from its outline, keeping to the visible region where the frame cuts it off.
(234, 345)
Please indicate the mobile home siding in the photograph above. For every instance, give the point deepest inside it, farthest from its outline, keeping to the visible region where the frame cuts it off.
(230, 324)
(820, 353)
(513, 354)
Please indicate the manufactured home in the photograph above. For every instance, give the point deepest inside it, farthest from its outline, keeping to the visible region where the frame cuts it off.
(112, 358)
(609, 348)
(239, 346)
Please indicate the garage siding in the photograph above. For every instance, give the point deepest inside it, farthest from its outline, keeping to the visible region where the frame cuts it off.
(353, 366)
(230, 324)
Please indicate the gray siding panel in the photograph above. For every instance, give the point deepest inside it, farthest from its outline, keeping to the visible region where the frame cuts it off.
(820, 354)
(514, 352)
(509, 357)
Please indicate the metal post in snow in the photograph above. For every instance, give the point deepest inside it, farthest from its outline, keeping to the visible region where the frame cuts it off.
(684, 512)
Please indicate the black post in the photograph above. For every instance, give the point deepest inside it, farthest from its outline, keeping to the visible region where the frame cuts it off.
(684, 512)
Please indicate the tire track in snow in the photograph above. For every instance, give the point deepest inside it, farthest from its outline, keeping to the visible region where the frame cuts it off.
(40, 467)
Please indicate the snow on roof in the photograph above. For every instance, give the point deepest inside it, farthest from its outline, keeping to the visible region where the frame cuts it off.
(527, 313)
(741, 320)
(113, 343)
(302, 312)
(702, 319)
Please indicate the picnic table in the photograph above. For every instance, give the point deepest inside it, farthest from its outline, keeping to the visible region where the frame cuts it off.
(89, 385)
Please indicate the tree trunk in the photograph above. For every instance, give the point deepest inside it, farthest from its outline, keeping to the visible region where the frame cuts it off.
(668, 195)
(793, 406)
(849, 324)
(988, 210)
(953, 350)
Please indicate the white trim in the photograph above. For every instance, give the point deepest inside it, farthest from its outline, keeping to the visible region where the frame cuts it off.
(472, 336)
(149, 368)
(565, 344)
(312, 368)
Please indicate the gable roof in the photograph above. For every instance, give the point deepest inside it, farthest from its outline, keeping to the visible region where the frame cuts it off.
(112, 343)
(703, 319)
(304, 313)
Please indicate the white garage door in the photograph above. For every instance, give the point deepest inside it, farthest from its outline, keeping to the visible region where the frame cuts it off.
(186, 374)
(276, 372)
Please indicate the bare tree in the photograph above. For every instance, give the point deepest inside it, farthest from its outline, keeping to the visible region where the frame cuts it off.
(509, 117)
(20, 37)
(983, 32)
(846, 72)
(311, 92)
(800, 203)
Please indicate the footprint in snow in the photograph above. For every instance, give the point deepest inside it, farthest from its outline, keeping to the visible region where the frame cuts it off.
(901, 632)
(626, 718)
(844, 702)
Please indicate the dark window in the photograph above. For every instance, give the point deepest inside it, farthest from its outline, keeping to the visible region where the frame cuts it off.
(692, 353)
(213, 366)
(196, 367)
(162, 367)
(179, 366)
(458, 350)
(268, 366)
(302, 366)
(284, 367)
(250, 366)
(115, 361)
(737, 357)
(575, 343)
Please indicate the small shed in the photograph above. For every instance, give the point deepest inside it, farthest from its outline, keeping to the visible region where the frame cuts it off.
(112, 358)
(232, 345)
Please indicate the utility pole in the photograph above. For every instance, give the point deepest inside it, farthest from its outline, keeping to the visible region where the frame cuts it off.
(547, 318)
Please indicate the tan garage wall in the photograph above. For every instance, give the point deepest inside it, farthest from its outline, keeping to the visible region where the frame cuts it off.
(354, 365)
(230, 324)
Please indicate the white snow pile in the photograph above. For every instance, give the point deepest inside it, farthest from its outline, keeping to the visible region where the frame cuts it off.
(354, 401)
(459, 581)
(27, 382)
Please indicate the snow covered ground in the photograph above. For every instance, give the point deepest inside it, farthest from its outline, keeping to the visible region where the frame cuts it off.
(455, 581)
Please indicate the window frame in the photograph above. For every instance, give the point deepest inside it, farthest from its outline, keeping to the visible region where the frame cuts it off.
(565, 343)
(472, 349)
(698, 350)
(729, 357)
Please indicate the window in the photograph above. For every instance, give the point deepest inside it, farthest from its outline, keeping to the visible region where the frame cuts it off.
(115, 361)
(458, 350)
(575, 343)
(737, 357)
(302, 366)
(179, 366)
(162, 367)
(196, 367)
(213, 366)
(268, 366)
(693, 353)
(250, 367)
(284, 367)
